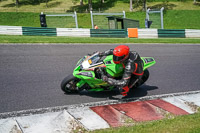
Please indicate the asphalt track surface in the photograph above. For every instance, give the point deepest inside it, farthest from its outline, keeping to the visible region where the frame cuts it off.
(30, 74)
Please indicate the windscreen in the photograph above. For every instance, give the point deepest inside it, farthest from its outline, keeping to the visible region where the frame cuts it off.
(94, 59)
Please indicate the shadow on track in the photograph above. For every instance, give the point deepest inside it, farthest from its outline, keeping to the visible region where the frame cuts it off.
(115, 95)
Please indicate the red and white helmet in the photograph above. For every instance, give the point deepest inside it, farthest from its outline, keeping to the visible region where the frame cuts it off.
(120, 54)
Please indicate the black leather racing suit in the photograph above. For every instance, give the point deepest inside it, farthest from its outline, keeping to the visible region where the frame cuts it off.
(133, 66)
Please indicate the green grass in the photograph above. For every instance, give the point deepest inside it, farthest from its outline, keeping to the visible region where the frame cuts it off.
(173, 19)
(174, 5)
(179, 124)
(178, 15)
(182, 19)
(20, 19)
(50, 39)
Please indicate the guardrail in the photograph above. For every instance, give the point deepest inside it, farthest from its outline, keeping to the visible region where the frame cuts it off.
(163, 33)
(39, 31)
(108, 33)
(189, 33)
(116, 33)
(11, 30)
(150, 33)
(180, 33)
(73, 32)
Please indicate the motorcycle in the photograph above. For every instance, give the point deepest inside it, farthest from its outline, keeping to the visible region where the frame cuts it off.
(88, 71)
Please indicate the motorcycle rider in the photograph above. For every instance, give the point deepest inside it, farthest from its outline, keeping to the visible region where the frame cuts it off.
(133, 68)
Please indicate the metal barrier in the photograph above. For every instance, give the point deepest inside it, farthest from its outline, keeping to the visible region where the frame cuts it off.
(108, 33)
(147, 33)
(39, 31)
(180, 33)
(73, 32)
(11, 30)
(122, 33)
(192, 33)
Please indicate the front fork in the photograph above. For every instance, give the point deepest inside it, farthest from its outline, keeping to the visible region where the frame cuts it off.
(80, 83)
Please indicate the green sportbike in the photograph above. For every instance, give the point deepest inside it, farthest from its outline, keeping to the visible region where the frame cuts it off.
(87, 74)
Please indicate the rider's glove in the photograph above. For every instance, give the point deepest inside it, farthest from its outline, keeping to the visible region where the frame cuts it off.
(103, 76)
(101, 54)
(93, 53)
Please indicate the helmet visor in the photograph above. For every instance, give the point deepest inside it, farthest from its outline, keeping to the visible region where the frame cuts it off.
(118, 58)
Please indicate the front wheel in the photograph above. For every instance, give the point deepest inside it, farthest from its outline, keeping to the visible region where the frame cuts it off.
(68, 84)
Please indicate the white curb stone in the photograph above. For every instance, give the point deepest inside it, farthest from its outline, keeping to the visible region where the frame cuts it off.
(193, 98)
(57, 122)
(89, 119)
(179, 103)
(9, 126)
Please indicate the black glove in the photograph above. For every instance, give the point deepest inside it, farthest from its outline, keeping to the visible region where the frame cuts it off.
(101, 54)
(93, 53)
(103, 76)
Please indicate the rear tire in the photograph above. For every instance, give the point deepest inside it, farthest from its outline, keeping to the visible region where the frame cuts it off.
(68, 84)
(143, 79)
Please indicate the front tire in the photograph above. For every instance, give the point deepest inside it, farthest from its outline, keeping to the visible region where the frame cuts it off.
(68, 84)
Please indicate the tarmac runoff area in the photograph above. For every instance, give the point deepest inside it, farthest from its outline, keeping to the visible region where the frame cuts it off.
(100, 115)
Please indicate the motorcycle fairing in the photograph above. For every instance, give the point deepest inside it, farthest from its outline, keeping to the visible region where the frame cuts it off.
(148, 62)
(85, 70)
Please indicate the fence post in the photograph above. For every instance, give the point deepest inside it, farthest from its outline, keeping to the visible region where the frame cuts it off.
(92, 19)
(76, 21)
(124, 14)
(161, 15)
(147, 14)
(147, 18)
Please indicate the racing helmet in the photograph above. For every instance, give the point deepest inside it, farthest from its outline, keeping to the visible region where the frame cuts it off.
(120, 53)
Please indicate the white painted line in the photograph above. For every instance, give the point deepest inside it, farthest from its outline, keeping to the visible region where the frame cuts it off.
(89, 119)
(179, 103)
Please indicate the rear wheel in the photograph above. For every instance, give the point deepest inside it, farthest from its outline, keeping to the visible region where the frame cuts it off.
(143, 79)
(68, 84)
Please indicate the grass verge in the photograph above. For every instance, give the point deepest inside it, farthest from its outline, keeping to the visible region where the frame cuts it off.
(179, 124)
(50, 39)
(53, 39)
(173, 19)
